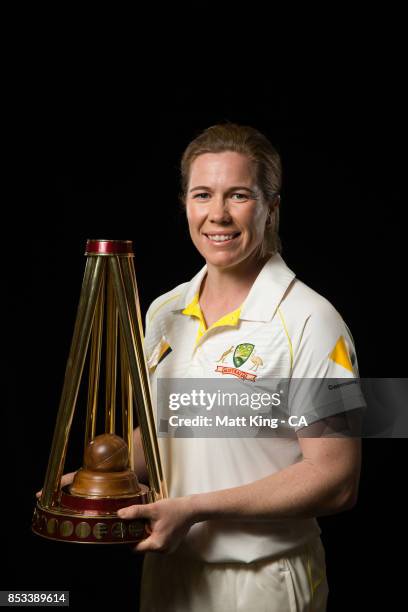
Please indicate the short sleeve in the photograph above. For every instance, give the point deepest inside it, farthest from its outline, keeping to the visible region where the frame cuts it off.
(325, 376)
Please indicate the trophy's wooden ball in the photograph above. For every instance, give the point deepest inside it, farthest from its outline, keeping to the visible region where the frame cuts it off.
(106, 453)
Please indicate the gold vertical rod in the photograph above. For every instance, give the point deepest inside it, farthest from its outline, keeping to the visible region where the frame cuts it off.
(95, 365)
(111, 355)
(79, 345)
(149, 442)
(127, 400)
(129, 277)
(129, 313)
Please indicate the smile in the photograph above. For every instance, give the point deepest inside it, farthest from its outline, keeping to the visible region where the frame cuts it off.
(222, 238)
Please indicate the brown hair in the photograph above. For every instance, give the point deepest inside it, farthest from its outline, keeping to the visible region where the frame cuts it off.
(248, 141)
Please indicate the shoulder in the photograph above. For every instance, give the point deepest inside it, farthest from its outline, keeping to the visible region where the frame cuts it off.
(162, 306)
(317, 329)
(304, 301)
(311, 317)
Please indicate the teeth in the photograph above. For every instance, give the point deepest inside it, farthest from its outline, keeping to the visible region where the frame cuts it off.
(220, 238)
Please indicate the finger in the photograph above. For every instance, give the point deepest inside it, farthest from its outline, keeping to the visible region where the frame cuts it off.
(67, 478)
(137, 511)
(149, 544)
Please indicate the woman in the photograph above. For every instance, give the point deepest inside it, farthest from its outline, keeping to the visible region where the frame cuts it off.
(239, 529)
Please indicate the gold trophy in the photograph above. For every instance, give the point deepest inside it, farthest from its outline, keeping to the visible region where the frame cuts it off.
(85, 511)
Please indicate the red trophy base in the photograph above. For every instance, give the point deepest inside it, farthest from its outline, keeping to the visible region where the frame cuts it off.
(87, 520)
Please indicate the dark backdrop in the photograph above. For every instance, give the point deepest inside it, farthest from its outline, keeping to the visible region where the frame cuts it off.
(97, 167)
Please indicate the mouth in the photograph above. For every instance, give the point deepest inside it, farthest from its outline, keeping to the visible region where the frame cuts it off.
(221, 238)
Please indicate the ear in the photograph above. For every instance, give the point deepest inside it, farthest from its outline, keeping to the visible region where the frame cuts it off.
(274, 205)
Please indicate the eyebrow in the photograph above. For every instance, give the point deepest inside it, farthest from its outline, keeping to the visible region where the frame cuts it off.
(230, 189)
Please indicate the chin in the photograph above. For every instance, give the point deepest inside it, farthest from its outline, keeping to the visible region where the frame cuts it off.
(223, 259)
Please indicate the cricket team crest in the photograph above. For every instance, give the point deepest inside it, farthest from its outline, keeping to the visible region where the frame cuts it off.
(242, 353)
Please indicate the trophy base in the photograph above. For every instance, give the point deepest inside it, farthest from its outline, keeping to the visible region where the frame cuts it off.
(91, 520)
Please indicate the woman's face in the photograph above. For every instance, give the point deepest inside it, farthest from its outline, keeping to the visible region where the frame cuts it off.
(225, 211)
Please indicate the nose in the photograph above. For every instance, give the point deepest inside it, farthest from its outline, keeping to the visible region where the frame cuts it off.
(218, 211)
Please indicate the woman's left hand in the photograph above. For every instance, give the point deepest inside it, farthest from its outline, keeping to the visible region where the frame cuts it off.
(169, 521)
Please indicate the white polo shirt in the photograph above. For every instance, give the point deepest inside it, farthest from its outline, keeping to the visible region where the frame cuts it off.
(283, 329)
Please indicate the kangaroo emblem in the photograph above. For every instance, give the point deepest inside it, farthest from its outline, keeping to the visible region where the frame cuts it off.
(225, 354)
(257, 361)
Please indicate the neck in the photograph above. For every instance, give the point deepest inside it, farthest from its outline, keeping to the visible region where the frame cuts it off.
(230, 286)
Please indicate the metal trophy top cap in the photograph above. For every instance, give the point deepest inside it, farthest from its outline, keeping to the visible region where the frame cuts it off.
(109, 247)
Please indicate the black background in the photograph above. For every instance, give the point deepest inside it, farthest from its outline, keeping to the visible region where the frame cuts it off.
(94, 164)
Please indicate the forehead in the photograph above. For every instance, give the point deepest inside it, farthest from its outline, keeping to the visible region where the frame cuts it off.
(222, 168)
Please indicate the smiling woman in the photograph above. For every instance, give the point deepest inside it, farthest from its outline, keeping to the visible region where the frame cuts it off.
(226, 224)
(239, 529)
(229, 165)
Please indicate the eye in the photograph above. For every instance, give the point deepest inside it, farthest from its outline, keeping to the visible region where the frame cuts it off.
(242, 196)
(198, 195)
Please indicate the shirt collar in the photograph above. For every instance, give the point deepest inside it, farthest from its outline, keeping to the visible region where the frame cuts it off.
(268, 290)
(264, 296)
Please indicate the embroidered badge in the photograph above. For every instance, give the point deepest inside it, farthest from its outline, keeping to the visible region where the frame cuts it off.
(242, 353)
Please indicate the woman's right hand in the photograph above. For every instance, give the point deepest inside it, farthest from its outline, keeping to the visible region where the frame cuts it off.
(65, 480)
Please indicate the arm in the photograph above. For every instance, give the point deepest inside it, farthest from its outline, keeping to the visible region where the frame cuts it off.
(324, 482)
